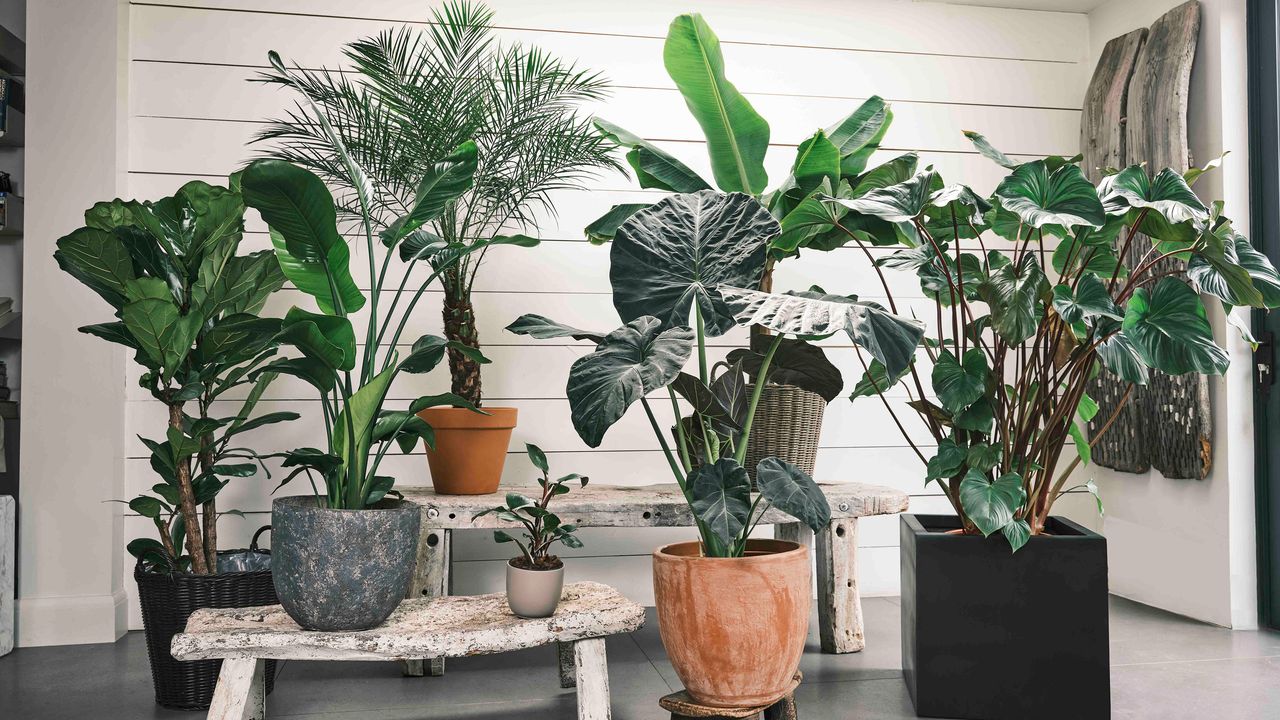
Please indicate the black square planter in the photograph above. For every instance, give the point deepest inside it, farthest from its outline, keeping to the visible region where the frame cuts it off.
(993, 635)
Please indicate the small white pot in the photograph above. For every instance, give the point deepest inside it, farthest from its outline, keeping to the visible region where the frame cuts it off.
(534, 593)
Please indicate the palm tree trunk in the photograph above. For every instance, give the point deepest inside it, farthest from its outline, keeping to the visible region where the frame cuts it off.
(460, 327)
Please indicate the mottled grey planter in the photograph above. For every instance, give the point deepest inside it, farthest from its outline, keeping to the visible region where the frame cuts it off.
(342, 569)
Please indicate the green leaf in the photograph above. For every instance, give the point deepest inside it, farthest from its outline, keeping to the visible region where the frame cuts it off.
(362, 408)
(299, 210)
(1063, 197)
(165, 335)
(859, 135)
(633, 360)
(1013, 294)
(1261, 271)
(960, 385)
(890, 339)
(1119, 355)
(1090, 299)
(704, 400)
(378, 489)
(420, 245)
(1017, 533)
(681, 250)
(1170, 331)
(898, 203)
(441, 184)
(115, 332)
(537, 457)
(315, 372)
(1081, 442)
(984, 457)
(261, 420)
(542, 328)
(1216, 269)
(977, 417)
(991, 505)
(1193, 174)
(1167, 193)
(146, 506)
(1091, 249)
(429, 350)
(817, 159)
(945, 463)
(326, 338)
(403, 427)
(606, 226)
(737, 137)
(987, 150)
(792, 491)
(876, 380)
(893, 172)
(98, 260)
(654, 167)
(795, 362)
(721, 498)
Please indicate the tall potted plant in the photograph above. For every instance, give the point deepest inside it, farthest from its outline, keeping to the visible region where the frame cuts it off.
(186, 304)
(1018, 338)
(733, 611)
(414, 96)
(831, 161)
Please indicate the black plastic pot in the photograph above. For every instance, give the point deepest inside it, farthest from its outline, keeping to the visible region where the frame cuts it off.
(168, 600)
(342, 569)
(993, 635)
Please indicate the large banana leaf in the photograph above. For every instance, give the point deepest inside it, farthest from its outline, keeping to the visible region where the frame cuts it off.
(817, 162)
(300, 212)
(737, 136)
(629, 362)
(890, 339)
(681, 250)
(1170, 331)
(654, 167)
(1040, 196)
(859, 135)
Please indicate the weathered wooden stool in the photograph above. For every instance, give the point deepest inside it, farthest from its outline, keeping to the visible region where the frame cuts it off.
(437, 627)
(683, 707)
(836, 546)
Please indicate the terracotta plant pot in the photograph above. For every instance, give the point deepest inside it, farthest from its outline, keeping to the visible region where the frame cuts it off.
(534, 593)
(734, 628)
(470, 448)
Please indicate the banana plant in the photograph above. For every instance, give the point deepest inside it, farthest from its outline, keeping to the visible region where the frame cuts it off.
(353, 381)
(682, 270)
(187, 305)
(1020, 335)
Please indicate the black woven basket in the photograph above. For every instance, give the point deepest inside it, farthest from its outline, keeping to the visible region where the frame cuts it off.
(167, 602)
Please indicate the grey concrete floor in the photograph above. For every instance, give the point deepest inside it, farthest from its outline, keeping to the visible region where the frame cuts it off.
(1163, 667)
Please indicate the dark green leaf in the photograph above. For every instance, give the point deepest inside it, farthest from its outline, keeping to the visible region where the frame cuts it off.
(704, 400)
(1013, 294)
(948, 461)
(792, 491)
(542, 328)
(1017, 532)
(898, 203)
(991, 505)
(1041, 197)
(98, 260)
(876, 380)
(817, 159)
(654, 167)
(537, 457)
(960, 385)
(1089, 300)
(1167, 193)
(721, 498)
(795, 362)
(326, 338)
(1170, 331)
(606, 226)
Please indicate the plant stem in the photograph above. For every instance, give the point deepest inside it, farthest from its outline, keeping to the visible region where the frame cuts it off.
(762, 378)
(666, 449)
(187, 501)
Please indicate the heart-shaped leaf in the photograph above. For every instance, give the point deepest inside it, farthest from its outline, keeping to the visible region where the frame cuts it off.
(1090, 299)
(1119, 355)
(792, 491)
(898, 203)
(721, 498)
(327, 338)
(1170, 331)
(704, 400)
(1013, 294)
(991, 505)
(1063, 197)
(1216, 269)
(960, 384)
(945, 463)
(681, 250)
(634, 359)
(1167, 193)
(795, 362)
(1017, 533)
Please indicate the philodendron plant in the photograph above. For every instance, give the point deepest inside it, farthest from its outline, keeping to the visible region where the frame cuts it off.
(542, 528)
(683, 270)
(353, 381)
(1020, 334)
(187, 305)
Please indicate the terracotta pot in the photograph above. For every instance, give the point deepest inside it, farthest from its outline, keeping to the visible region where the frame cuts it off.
(470, 448)
(534, 593)
(734, 628)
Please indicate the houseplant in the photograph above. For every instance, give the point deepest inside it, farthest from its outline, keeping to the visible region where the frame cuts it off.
(832, 160)
(414, 96)
(344, 558)
(535, 577)
(186, 304)
(683, 270)
(1018, 337)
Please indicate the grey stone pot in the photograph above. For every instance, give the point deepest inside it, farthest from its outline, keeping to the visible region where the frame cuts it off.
(342, 569)
(534, 593)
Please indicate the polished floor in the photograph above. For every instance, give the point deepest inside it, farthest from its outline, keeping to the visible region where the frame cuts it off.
(1164, 667)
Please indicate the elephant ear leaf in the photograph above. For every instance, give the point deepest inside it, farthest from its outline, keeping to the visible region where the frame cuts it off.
(298, 208)
(1170, 331)
(680, 251)
(792, 491)
(890, 339)
(629, 362)
(544, 328)
(737, 136)
(1061, 197)
(721, 495)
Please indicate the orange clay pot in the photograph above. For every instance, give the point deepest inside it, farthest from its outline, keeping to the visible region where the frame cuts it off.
(470, 448)
(734, 628)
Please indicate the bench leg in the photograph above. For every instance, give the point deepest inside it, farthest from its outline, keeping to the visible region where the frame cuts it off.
(240, 693)
(839, 606)
(592, 670)
(568, 669)
(795, 532)
(430, 579)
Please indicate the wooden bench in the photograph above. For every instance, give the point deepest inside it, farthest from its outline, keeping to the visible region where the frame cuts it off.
(243, 638)
(839, 606)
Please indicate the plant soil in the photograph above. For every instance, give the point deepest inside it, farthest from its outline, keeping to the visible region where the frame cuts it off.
(551, 562)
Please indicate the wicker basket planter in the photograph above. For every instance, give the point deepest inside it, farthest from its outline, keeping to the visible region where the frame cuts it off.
(787, 425)
(168, 600)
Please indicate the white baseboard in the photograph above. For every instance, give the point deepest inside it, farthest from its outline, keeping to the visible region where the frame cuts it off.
(71, 620)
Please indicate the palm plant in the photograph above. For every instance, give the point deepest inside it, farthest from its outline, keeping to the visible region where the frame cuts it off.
(416, 96)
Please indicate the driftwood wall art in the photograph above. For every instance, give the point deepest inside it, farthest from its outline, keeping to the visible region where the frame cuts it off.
(1167, 424)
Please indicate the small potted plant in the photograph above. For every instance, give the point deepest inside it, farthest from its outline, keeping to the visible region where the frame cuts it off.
(535, 577)
(733, 610)
(187, 305)
(412, 96)
(1019, 338)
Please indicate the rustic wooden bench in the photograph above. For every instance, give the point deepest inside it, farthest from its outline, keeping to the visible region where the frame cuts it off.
(243, 638)
(839, 606)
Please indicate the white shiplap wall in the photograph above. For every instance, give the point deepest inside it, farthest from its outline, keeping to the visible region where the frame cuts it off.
(804, 64)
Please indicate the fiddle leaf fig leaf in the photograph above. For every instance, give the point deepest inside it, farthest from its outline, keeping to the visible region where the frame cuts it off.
(792, 491)
(960, 384)
(682, 250)
(1040, 197)
(635, 359)
(98, 260)
(1169, 329)
(991, 505)
(721, 498)
(654, 167)
(1167, 193)
(889, 338)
